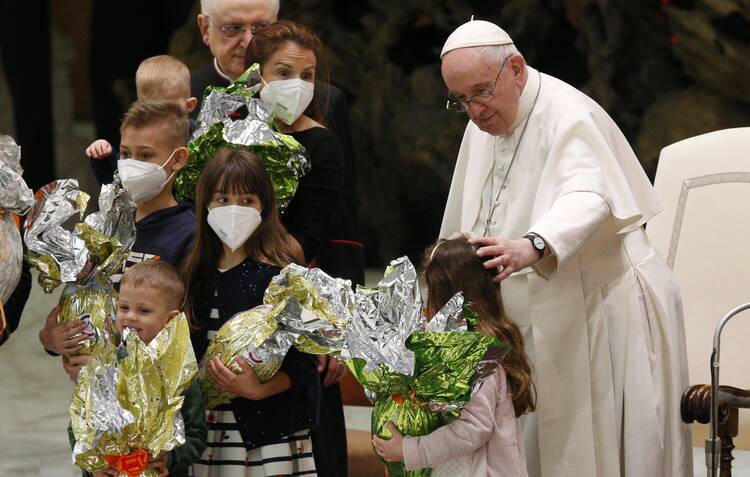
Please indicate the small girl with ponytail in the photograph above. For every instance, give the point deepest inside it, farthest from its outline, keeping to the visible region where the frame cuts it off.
(486, 439)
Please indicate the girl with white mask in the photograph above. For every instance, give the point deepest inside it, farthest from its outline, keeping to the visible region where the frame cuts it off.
(240, 244)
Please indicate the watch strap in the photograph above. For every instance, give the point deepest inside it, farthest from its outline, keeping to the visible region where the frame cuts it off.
(531, 237)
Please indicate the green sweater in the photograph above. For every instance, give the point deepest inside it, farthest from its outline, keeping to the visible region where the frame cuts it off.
(194, 415)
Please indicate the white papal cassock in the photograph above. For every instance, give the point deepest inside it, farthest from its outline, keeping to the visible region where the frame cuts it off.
(602, 316)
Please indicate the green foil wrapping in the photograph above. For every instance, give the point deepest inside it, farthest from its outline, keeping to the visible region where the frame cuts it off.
(282, 156)
(446, 365)
(420, 374)
(251, 335)
(410, 418)
(128, 400)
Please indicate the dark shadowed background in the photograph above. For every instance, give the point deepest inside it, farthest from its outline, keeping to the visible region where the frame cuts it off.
(665, 70)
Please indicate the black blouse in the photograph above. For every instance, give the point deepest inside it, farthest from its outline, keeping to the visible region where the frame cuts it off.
(311, 214)
(265, 421)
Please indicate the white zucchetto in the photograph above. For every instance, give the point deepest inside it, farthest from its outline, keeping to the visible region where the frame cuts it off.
(476, 33)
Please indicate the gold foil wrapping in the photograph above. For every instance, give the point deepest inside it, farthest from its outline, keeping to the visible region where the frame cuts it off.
(127, 400)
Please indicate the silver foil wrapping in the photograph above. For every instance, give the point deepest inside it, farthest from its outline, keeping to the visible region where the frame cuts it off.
(10, 153)
(44, 232)
(316, 306)
(386, 317)
(15, 197)
(116, 219)
(249, 132)
(450, 317)
(218, 104)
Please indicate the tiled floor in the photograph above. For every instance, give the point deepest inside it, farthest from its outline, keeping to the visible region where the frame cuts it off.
(34, 399)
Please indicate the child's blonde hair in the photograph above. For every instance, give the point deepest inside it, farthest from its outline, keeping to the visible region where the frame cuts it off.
(452, 266)
(160, 276)
(167, 114)
(162, 77)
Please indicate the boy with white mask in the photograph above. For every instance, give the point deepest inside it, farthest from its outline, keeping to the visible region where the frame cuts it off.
(153, 147)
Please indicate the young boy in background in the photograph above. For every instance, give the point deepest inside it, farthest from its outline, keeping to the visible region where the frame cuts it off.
(160, 77)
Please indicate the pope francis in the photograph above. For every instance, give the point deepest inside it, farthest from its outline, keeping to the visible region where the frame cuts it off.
(551, 188)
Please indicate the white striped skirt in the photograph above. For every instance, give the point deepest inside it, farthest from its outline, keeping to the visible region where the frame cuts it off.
(226, 455)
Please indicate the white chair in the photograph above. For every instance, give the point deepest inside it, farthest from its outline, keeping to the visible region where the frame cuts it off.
(704, 235)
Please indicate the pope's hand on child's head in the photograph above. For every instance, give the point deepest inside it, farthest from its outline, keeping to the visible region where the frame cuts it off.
(72, 364)
(160, 464)
(508, 256)
(99, 149)
(391, 449)
(245, 383)
(62, 338)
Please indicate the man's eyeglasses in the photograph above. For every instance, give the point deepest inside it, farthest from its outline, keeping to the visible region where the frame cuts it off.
(232, 30)
(460, 105)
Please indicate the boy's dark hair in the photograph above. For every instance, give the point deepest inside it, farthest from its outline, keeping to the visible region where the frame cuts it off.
(167, 114)
(157, 275)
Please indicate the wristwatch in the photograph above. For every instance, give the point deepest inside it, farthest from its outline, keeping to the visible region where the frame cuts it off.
(537, 242)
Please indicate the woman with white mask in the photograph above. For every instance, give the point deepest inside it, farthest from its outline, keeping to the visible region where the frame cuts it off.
(321, 217)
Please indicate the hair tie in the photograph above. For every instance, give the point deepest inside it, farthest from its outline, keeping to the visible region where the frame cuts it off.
(432, 254)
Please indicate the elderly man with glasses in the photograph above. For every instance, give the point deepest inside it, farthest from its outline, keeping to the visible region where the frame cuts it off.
(227, 28)
(557, 200)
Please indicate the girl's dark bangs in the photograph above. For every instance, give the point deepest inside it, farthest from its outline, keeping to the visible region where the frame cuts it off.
(237, 178)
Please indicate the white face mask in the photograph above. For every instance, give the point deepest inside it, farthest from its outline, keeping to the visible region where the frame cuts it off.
(143, 180)
(234, 224)
(288, 98)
